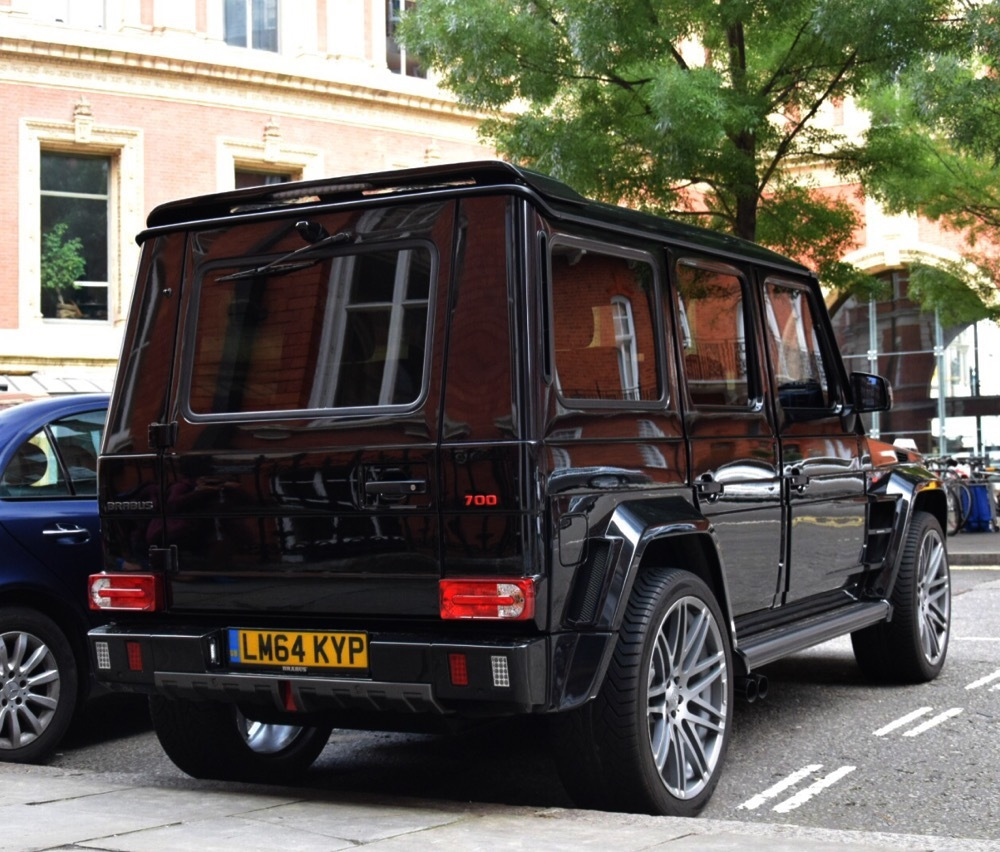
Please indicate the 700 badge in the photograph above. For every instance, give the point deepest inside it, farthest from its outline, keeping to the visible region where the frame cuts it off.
(298, 649)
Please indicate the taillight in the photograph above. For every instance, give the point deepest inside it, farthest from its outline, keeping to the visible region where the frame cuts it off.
(142, 592)
(505, 599)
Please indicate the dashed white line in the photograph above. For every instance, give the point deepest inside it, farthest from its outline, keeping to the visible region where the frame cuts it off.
(905, 720)
(780, 787)
(985, 680)
(813, 789)
(930, 723)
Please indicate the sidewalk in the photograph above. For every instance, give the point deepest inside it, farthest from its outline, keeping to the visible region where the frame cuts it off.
(46, 808)
(974, 548)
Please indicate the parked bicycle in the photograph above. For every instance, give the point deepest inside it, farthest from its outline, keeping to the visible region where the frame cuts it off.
(965, 479)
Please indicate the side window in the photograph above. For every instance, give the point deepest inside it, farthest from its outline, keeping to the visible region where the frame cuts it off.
(34, 471)
(77, 440)
(793, 346)
(603, 331)
(711, 310)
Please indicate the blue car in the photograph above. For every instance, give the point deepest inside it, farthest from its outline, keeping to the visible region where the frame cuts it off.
(49, 542)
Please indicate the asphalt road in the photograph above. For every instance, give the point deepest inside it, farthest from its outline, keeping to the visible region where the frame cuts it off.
(826, 748)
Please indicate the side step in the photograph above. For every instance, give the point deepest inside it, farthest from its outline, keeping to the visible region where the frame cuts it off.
(770, 645)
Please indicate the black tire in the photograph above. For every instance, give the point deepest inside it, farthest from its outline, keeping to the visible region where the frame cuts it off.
(38, 685)
(955, 516)
(911, 648)
(655, 737)
(208, 739)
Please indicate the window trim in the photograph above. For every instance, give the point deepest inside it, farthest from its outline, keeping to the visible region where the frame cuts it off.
(559, 239)
(125, 204)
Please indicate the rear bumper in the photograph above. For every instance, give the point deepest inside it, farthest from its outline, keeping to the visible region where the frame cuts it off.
(410, 675)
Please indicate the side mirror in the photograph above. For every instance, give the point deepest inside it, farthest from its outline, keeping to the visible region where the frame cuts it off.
(870, 392)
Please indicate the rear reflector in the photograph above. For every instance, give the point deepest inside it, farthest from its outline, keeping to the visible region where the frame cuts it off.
(134, 651)
(507, 599)
(458, 665)
(142, 592)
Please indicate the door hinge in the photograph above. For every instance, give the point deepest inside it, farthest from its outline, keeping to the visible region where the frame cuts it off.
(162, 435)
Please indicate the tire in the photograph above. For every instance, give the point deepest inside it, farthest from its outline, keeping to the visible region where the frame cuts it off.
(911, 648)
(655, 737)
(38, 685)
(953, 499)
(208, 739)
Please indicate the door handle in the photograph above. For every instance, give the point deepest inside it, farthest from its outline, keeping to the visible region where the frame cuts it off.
(797, 479)
(74, 532)
(710, 488)
(396, 487)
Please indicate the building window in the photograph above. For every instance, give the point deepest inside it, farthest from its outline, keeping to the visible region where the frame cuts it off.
(398, 60)
(252, 23)
(88, 14)
(252, 177)
(74, 236)
(628, 356)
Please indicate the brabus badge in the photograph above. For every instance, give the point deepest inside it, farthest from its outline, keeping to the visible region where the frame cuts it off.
(128, 506)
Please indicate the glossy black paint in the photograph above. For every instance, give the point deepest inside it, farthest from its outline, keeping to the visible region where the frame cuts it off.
(347, 516)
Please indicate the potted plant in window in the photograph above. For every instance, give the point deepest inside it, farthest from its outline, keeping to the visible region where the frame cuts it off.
(62, 264)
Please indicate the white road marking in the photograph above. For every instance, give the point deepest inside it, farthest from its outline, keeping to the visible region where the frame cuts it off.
(905, 720)
(780, 787)
(813, 789)
(937, 720)
(984, 680)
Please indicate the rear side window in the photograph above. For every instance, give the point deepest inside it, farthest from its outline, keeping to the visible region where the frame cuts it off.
(603, 331)
(342, 331)
(711, 306)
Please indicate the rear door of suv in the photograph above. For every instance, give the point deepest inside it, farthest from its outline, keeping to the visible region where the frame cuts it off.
(301, 476)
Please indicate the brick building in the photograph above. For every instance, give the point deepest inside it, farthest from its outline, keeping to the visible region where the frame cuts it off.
(111, 107)
(114, 106)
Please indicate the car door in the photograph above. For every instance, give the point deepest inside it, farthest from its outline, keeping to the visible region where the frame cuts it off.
(734, 449)
(48, 491)
(820, 458)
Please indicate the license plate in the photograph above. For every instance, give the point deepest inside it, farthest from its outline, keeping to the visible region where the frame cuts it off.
(298, 650)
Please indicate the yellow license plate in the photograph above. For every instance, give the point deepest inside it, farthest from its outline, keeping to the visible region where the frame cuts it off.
(295, 649)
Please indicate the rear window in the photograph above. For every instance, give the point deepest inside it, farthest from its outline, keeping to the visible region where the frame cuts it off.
(344, 330)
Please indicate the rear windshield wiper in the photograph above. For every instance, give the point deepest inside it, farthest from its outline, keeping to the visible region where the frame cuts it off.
(289, 262)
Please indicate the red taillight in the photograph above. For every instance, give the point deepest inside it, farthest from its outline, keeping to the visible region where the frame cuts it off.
(506, 599)
(142, 592)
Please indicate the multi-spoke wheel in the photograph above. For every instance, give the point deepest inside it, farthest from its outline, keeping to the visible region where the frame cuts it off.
(214, 740)
(912, 647)
(655, 738)
(38, 685)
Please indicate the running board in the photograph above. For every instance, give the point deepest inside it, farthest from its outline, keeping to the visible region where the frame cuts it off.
(770, 645)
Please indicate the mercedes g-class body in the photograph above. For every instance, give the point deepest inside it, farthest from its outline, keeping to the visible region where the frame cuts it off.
(453, 444)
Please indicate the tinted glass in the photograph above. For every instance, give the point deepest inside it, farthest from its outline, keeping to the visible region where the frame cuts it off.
(793, 347)
(602, 322)
(346, 331)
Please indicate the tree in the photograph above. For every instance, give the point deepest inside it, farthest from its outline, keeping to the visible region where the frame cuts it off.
(933, 148)
(62, 264)
(704, 109)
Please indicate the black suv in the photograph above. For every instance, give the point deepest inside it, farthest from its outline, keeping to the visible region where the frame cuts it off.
(458, 443)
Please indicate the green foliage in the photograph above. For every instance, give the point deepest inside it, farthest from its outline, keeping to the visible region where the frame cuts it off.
(934, 149)
(62, 261)
(704, 109)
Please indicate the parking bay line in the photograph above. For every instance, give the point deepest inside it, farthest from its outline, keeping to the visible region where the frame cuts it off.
(813, 789)
(905, 720)
(937, 720)
(984, 680)
(779, 788)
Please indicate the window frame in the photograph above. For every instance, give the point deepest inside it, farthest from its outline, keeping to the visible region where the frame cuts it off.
(550, 245)
(750, 333)
(248, 7)
(823, 348)
(346, 257)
